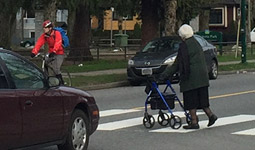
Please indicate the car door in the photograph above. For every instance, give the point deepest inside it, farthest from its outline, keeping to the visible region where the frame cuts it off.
(41, 107)
(10, 114)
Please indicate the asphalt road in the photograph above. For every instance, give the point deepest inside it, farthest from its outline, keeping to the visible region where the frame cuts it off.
(232, 99)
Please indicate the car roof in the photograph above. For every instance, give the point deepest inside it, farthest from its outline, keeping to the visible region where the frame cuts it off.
(175, 37)
(167, 38)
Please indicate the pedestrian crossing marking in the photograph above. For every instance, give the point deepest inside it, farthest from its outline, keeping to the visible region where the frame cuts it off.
(245, 132)
(131, 122)
(203, 124)
(112, 112)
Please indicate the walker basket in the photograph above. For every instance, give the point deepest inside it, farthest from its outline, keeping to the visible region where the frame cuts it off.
(157, 102)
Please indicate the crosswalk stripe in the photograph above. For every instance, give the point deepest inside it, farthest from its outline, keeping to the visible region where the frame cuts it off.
(245, 132)
(131, 122)
(220, 122)
(112, 112)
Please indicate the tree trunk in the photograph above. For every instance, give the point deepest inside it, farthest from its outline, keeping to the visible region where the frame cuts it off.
(81, 35)
(204, 20)
(150, 20)
(7, 26)
(50, 11)
(170, 17)
(70, 27)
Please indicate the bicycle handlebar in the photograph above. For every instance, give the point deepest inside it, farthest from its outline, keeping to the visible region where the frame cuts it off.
(42, 55)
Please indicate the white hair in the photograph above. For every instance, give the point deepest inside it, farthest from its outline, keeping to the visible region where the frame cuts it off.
(185, 31)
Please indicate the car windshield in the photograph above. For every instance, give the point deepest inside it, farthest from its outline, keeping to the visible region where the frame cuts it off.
(161, 45)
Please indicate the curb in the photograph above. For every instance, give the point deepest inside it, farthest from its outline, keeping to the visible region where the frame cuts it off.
(243, 71)
(105, 86)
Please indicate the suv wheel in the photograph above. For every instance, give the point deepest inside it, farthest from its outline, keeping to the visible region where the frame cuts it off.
(78, 132)
(213, 74)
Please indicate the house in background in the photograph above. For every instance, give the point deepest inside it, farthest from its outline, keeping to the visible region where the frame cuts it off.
(224, 18)
(111, 21)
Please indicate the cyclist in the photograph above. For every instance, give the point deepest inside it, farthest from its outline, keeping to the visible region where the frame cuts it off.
(56, 50)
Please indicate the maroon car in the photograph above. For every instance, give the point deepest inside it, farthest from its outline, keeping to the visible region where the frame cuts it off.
(36, 111)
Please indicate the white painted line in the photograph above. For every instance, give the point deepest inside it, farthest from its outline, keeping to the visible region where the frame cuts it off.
(112, 112)
(245, 132)
(130, 122)
(203, 124)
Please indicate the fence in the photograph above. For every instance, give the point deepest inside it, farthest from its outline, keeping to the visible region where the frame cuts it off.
(103, 49)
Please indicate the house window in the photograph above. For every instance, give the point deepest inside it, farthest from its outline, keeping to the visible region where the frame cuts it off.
(216, 17)
(30, 14)
(116, 16)
(32, 34)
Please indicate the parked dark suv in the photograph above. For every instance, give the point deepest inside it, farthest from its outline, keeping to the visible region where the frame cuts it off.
(36, 111)
(160, 53)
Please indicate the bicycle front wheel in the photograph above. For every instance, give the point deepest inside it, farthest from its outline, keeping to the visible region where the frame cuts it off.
(66, 77)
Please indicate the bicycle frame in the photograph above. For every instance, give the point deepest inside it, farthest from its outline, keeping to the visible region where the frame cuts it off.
(45, 65)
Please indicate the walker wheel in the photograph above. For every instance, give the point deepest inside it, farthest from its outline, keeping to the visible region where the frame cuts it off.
(163, 118)
(148, 121)
(175, 122)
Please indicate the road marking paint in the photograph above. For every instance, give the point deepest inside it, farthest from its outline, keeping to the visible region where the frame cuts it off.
(203, 124)
(215, 97)
(132, 122)
(112, 112)
(232, 94)
(245, 132)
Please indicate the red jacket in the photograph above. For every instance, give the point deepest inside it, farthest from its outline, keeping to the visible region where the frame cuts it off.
(54, 41)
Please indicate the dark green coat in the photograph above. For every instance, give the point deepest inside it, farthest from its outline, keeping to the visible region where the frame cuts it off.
(198, 76)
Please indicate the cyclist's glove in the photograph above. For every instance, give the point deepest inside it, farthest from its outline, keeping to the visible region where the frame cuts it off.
(32, 55)
(51, 55)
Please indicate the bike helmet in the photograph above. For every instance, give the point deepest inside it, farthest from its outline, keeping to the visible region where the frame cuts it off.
(47, 24)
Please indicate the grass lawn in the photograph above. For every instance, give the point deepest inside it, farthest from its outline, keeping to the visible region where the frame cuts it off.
(96, 65)
(240, 66)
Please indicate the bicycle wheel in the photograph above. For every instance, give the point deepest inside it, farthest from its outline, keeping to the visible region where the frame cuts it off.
(66, 77)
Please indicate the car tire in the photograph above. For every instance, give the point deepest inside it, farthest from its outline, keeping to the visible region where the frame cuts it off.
(213, 74)
(78, 131)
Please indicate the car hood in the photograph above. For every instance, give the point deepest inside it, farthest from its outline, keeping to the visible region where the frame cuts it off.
(151, 59)
(74, 91)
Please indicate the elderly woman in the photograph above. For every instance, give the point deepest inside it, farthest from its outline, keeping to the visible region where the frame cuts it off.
(194, 80)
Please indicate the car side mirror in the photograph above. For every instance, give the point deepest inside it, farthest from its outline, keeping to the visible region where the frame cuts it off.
(53, 81)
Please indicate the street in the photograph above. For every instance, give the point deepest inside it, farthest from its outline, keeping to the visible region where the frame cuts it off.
(122, 110)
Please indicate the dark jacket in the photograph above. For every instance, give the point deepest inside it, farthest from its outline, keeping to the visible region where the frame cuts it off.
(198, 74)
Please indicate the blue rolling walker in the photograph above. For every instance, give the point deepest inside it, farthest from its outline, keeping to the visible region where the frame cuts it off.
(162, 101)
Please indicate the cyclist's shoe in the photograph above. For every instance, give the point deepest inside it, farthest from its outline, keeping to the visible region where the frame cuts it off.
(61, 81)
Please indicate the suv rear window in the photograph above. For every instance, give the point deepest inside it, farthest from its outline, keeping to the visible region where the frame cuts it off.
(165, 45)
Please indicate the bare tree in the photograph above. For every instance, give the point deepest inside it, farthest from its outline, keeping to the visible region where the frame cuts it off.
(204, 20)
(50, 11)
(150, 20)
(170, 17)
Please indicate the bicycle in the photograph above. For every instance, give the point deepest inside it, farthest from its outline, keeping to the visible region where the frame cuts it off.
(48, 70)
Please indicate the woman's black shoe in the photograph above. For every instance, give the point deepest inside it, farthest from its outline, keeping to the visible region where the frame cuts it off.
(191, 126)
(212, 120)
